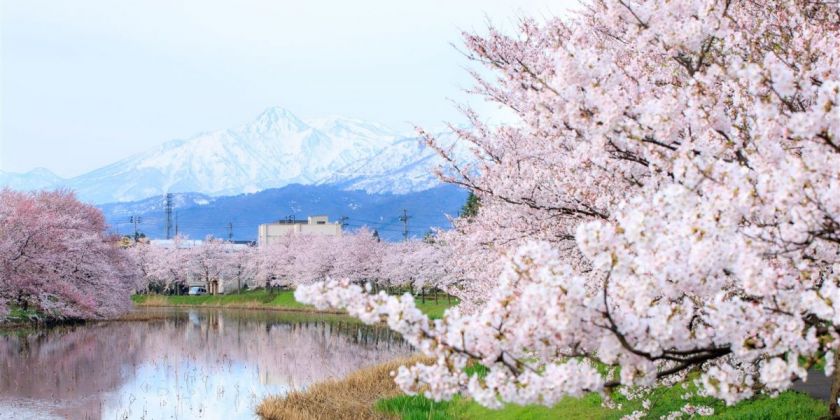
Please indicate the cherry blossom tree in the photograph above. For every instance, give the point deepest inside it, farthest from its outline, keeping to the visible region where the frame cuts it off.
(165, 269)
(207, 262)
(315, 257)
(56, 257)
(357, 257)
(271, 265)
(415, 264)
(396, 268)
(668, 200)
(238, 268)
(146, 259)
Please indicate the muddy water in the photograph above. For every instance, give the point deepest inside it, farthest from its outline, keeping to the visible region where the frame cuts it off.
(183, 364)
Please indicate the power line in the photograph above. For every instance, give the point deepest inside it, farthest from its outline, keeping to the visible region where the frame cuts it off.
(168, 214)
(135, 220)
(404, 218)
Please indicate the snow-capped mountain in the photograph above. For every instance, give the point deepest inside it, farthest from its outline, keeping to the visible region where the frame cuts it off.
(274, 150)
(35, 179)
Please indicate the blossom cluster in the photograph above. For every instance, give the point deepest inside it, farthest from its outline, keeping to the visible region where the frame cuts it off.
(667, 201)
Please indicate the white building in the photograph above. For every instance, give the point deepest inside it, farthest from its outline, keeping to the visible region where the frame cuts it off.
(193, 243)
(269, 233)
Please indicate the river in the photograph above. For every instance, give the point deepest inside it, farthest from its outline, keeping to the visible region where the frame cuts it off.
(180, 363)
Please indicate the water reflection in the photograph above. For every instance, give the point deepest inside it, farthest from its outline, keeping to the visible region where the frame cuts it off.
(181, 365)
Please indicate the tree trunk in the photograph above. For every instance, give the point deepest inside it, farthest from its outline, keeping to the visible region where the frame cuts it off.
(834, 405)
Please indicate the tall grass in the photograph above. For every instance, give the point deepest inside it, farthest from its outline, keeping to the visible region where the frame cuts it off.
(353, 397)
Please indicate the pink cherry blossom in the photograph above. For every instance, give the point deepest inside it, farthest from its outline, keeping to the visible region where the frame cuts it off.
(56, 257)
(668, 199)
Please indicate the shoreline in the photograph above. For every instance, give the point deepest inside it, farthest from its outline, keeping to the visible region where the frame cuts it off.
(235, 306)
(16, 326)
(272, 301)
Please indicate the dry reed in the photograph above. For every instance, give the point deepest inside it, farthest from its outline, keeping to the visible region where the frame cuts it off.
(349, 398)
(154, 301)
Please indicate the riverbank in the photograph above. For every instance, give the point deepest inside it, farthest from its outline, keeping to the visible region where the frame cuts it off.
(353, 397)
(261, 299)
(21, 320)
(374, 386)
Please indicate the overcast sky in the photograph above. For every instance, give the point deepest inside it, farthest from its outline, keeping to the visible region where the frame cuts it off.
(86, 82)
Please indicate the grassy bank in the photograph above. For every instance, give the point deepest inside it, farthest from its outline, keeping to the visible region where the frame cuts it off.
(375, 387)
(789, 405)
(262, 299)
(23, 320)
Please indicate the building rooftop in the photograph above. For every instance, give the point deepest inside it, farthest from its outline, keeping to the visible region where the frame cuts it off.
(311, 220)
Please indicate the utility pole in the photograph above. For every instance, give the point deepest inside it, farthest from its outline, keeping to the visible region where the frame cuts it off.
(136, 220)
(404, 218)
(176, 223)
(230, 231)
(168, 207)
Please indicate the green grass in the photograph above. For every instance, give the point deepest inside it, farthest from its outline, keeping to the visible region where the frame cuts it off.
(19, 319)
(788, 405)
(665, 400)
(435, 310)
(417, 408)
(260, 298)
(18, 314)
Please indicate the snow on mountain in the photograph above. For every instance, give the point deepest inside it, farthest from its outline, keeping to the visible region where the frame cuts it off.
(275, 150)
(351, 128)
(35, 179)
(404, 166)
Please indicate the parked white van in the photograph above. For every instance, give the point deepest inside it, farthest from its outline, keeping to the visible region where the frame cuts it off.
(197, 290)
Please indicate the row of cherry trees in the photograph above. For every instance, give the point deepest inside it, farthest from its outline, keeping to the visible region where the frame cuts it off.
(56, 258)
(291, 261)
(667, 201)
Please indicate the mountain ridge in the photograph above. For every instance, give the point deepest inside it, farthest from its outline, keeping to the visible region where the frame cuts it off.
(274, 150)
(199, 215)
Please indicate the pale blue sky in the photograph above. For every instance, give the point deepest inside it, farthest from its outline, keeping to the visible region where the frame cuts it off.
(86, 82)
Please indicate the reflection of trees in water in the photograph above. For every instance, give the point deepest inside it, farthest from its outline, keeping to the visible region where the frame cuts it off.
(289, 353)
(74, 367)
(66, 364)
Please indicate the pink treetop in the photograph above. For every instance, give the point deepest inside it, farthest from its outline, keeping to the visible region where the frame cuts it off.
(314, 258)
(357, 257)
(415, 264)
